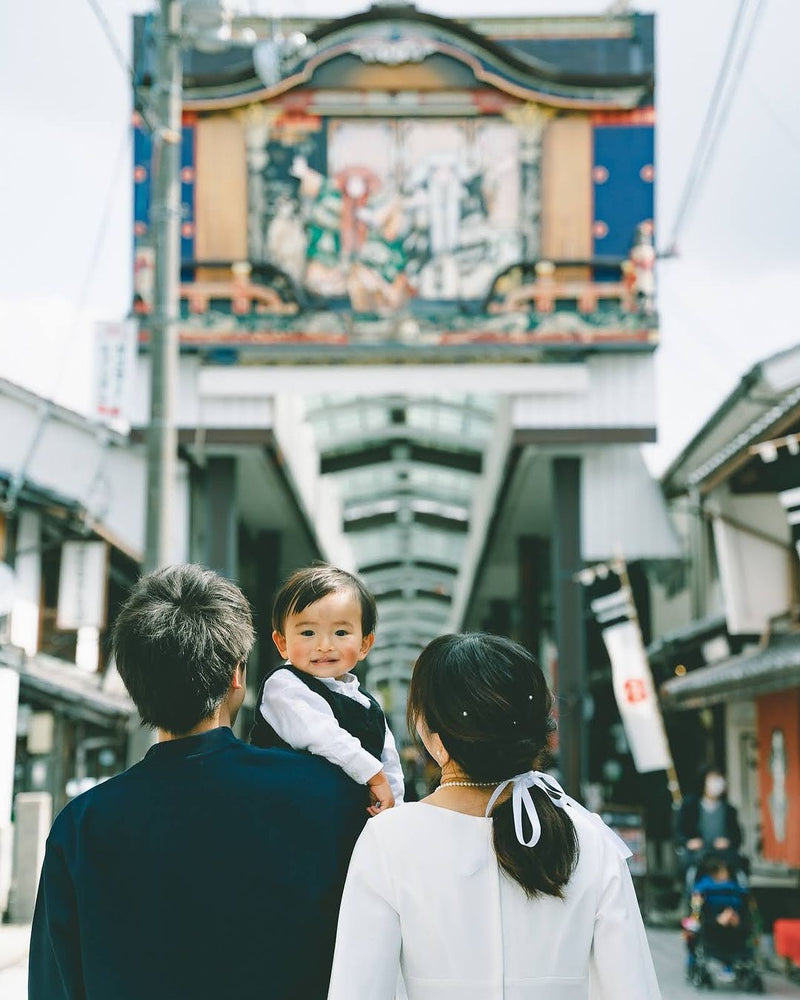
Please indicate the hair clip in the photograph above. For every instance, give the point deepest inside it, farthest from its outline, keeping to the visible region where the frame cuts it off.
(530, 697)
(465, 714)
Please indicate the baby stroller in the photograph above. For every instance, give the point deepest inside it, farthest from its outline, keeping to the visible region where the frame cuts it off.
(720, 932)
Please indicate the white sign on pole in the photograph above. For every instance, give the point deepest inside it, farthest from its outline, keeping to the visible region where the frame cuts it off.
(632, 680)
(9, 700)
(115, 357)
(636, 698)
(82, 585)
(6, 589)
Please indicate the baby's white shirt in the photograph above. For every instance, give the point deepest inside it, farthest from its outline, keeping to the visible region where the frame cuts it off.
(305, 720)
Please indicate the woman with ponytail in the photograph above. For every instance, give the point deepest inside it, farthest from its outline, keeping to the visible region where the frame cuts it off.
(498, 885)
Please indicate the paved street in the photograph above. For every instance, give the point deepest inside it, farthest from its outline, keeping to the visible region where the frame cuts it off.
(13, 962)
(666, 945)
(14, 982)
(668, 955)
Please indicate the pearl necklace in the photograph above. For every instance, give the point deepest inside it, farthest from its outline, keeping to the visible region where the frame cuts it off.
(467, 784)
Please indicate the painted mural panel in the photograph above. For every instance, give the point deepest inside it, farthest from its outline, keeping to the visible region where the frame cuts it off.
(294, 146)
(399, 234)
(414, 186)
(393, 210)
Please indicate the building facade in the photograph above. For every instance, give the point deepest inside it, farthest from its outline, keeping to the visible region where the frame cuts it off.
(727, 646)
(417, 267)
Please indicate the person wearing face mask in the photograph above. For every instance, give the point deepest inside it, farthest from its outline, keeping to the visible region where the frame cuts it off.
(708, 824)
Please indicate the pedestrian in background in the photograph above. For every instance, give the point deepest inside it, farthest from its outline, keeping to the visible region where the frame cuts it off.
(498, 883)
(211, 869)
(707, 824)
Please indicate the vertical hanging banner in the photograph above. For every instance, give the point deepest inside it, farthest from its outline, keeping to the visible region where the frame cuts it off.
(115, 357)
(790, 499)
(82, 585)
(633, 682)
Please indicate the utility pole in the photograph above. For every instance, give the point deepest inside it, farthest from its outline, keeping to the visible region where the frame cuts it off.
(162, 434)
(162, 438)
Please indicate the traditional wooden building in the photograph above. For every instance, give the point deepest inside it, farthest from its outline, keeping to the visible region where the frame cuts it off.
(733, 693)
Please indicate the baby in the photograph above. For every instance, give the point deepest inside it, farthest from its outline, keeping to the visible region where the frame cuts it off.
(324, 624)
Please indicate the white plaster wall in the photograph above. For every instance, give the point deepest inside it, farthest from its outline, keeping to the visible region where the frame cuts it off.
(375, 380)
(187, 392)
(317, 496)
(622, 508)
(755, 574)
(620, 392)
(86, 463)
(483, 504)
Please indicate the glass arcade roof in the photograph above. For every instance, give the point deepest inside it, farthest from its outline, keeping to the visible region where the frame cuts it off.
(407, 470)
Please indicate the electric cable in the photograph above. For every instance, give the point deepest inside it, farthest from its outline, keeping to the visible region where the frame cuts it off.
(130, 71)
(787, 131)
(20, 475)
(717, 113)
(112, 41)
(18, 480)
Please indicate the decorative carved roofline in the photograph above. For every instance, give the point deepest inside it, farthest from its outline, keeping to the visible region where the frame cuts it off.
(399, 35)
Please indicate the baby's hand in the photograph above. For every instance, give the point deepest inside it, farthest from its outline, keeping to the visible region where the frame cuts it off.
(380, 794)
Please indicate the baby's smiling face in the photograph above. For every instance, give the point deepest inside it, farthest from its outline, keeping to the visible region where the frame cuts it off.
(325, 639)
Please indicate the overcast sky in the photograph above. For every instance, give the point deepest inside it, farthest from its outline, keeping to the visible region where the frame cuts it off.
(728, 300)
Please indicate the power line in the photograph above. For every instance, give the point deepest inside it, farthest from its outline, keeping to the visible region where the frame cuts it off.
(717, 113)
(116, 48)
(102, 231)
(131, 72)
(787, 131)
(20, 474)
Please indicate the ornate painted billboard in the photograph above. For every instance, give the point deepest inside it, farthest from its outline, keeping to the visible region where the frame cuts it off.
(412, 187)
(372, 214)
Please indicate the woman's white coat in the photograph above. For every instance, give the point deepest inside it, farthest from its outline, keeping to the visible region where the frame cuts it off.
(425, 896)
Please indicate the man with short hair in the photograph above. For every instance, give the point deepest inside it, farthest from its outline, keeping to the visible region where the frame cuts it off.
(210, 869)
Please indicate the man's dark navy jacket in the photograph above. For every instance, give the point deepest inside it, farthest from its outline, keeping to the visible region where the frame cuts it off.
(211, 869)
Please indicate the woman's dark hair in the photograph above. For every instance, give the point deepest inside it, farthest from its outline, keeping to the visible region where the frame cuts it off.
(177, 641)
(309, 585)
(488, 701)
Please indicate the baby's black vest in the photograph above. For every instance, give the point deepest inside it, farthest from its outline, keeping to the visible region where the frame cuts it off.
(368, 725)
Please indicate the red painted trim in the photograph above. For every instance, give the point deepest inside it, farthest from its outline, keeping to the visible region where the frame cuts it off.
(642, 336)
(638, 116)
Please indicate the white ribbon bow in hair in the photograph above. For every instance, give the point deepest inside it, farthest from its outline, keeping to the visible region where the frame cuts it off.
(521, 796)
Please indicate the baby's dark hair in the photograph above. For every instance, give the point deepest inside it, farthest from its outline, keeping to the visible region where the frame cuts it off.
(716, 866)
(309, 585)
(488, 701)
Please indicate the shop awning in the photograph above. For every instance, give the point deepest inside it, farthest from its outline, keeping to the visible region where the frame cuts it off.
(67, 689)
(674, 643)
(774, 667)
(622, 509)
